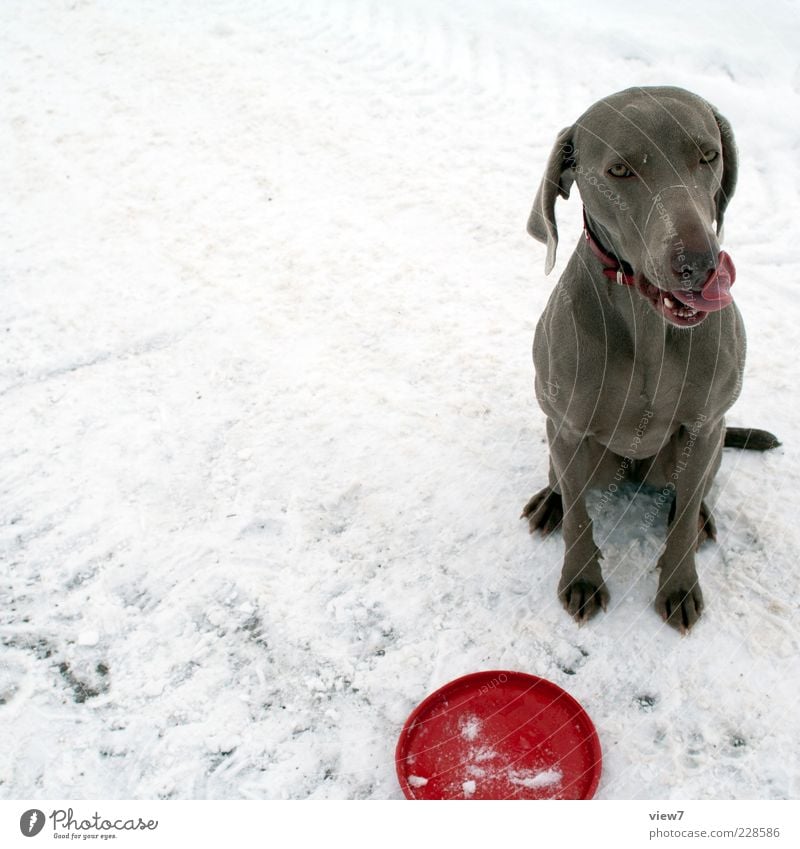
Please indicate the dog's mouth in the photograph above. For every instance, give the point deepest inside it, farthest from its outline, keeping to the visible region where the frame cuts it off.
(688, 307)
(667, 305)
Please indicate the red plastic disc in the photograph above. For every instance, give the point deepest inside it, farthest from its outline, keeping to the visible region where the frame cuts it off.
(499, 735)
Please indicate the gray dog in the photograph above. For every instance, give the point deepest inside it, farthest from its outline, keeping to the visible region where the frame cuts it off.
(640, 350)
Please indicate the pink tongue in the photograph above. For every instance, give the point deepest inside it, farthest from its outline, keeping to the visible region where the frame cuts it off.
(716, 293)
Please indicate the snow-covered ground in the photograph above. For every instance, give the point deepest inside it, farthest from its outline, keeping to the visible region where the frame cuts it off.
(267, 411)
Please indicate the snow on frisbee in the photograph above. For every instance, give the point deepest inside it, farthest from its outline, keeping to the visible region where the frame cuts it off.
(499, 735)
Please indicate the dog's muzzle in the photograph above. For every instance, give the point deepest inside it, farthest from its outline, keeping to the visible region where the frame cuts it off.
(716, 291)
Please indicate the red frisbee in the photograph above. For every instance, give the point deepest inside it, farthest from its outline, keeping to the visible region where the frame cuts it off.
(499, 735)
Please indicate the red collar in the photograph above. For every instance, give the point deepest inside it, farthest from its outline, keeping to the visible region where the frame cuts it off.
(612, 268)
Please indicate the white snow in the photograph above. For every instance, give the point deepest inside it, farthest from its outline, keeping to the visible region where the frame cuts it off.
(532, 780)
(267, 409)
(417, 780)
(470, 727)
(469, 788)
(482, 754)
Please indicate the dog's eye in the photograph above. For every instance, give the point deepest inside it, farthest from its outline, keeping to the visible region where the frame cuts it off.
(620, 170)
(709, 157)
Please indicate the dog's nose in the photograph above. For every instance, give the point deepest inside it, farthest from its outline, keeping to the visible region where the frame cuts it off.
(692, 267)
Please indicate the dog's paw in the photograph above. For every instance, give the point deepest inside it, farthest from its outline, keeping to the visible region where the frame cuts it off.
(544, 511)
(680, 607)
(583, 597)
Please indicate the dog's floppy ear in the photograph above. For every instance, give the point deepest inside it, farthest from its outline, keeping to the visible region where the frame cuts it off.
(557, 180)
(730, 168)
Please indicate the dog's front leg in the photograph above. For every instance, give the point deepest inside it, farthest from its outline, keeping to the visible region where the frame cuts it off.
(695, 458)
(581, 588)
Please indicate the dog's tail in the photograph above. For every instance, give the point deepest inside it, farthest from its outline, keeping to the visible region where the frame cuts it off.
(747, 437)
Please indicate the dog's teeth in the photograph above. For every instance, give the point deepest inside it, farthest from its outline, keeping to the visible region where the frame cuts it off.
(668, 303)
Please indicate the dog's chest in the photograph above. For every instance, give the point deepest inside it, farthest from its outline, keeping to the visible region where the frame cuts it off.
(636, 415)
(631, 394)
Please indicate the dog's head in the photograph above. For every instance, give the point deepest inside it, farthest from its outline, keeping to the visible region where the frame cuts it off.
(655, 168)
